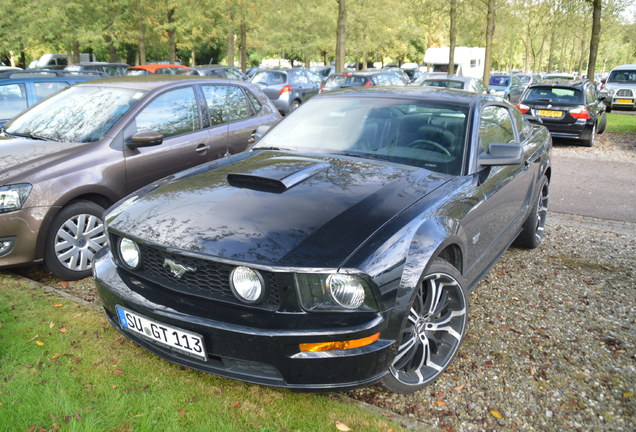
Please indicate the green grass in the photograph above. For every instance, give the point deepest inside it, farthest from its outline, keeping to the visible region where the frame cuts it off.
(63, 364)
(621, 123)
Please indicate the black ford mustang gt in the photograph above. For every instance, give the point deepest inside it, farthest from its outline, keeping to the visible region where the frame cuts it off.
(339, 250)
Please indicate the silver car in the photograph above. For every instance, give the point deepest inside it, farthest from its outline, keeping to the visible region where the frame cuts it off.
(619, 90)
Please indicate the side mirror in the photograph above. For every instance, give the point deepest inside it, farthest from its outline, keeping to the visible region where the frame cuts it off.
(502, 154)
(259, 132)
(145, 138)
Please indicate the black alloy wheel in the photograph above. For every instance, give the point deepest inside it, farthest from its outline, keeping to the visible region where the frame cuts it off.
(534, 226)
(433, 331)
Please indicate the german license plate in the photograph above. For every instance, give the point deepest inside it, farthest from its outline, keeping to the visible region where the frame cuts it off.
(625, 101)
(173, 337)
(548, 113)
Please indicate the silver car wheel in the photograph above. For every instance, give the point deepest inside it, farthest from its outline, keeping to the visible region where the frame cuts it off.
(78, 240)
(434, 330)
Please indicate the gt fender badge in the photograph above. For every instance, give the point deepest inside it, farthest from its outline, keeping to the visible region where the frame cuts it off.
(177, 269)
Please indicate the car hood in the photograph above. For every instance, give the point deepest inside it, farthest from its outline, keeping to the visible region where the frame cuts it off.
(499, 88)
(276, 208)
(19, 157)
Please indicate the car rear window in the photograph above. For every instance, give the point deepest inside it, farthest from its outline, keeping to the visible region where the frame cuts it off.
(499, 80)
(444, 83)
(622, 76)
(347, 80)
(554, 95)
(270, 78)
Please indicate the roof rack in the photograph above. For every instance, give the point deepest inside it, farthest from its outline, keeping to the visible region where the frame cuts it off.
(44, 73)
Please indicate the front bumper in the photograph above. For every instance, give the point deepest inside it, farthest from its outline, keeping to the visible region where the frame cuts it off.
(621, 99)
(255, 346)
(23, 228)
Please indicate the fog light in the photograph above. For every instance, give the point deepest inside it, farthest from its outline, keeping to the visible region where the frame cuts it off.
(6, 245)
(346, 290)
(339, 345)
(247, 285)
(129, 253)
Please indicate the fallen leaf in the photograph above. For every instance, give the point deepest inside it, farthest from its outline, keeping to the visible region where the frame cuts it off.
(63, 330)
(118, 371)
(496, 414)
(115, 386)
(58, 305)
(139, 415)
(181, 411)
(342, 427)
(39, 343)
(441, 403)
(236, 404)
(459, 387)
(628, 395)
(51, 324)
(56, 355)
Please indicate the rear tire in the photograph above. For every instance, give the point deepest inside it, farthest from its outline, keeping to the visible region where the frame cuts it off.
(75, 236)
(533, 228)
(590, 141)
(294, 105)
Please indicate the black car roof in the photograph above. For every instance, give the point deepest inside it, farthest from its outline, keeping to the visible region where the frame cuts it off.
(444, 95)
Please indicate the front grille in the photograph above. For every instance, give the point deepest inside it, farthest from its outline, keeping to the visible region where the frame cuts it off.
(207, 279)
(624, 93)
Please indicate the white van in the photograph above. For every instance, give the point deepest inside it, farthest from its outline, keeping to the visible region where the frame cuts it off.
(58, 61)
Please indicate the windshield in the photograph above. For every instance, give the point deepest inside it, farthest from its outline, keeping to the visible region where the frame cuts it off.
(417, 133)
(78, 114)
(500, 81)
(270, 78)
(347, 80)
(623, 76)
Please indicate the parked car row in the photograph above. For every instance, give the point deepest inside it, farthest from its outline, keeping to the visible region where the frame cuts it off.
(66, 159)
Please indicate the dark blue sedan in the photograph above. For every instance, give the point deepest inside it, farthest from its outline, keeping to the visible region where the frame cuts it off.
(340, 250)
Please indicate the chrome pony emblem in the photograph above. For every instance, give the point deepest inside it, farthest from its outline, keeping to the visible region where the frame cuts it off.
(177, 269)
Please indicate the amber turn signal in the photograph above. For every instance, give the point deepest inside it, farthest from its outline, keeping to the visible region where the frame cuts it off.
(339, 345)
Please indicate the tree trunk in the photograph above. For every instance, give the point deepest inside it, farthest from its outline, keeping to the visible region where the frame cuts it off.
(594, 40)
(193, 57)
(341, 35)
(453, 33)
(230, 46)
(75, 52)
(142, 33)
(172, 43)
(243, 45)
(490, 31)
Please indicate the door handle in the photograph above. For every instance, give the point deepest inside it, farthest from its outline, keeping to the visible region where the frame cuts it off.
(202, 148)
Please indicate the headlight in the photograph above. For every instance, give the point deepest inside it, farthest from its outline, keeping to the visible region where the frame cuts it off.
(335, 292)
(610, 92)
(346, 290)
(247, 285)
(12, 197)
(129, 253)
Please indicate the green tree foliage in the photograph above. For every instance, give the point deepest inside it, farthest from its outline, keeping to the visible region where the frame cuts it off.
(528, 34)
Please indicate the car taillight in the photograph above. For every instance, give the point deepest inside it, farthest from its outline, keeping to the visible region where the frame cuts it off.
(322, 87)
(368, 84)
(523, 108)
(285, 89)
(580, 113)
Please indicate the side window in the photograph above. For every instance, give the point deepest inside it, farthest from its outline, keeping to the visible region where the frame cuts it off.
(590, 94)
(256, 104)
(171, 113)
(299, 78)
(45, 89)
(523, 126)
(12, 100)
(225, 103)
(495, 126)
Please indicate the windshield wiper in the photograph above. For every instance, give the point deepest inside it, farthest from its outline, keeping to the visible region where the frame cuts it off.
(27, 135)
(271, 148)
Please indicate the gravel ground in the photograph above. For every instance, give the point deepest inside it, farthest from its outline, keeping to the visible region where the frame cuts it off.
(551, 343)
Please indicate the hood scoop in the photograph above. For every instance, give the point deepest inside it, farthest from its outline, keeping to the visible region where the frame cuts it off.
(276, 174)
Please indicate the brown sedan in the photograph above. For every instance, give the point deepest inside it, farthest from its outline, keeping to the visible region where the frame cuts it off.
(68, 158)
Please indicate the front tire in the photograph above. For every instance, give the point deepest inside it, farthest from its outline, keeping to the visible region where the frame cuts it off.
(433, 330)
(533, 228)
(75, 236)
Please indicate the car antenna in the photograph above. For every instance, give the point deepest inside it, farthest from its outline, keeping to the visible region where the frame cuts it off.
(227, 139)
